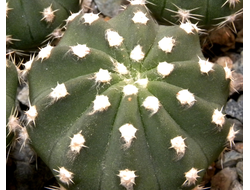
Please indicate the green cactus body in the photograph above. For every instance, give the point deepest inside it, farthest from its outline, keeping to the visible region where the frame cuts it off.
(11, 90)
(206, 12)
(27, 25)
(110, 116)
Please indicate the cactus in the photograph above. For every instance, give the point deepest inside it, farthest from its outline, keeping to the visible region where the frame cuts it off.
(206, 13)
(11, 90)
(127, 104)
(28, 23)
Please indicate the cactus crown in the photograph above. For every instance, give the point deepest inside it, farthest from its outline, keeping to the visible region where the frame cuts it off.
(127, 104)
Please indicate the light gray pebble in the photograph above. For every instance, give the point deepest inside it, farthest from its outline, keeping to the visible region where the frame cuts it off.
(239, 169)
(235, 108)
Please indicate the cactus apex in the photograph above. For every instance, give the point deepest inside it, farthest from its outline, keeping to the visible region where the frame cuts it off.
(127, 178)
(64, 175)
(191, 177)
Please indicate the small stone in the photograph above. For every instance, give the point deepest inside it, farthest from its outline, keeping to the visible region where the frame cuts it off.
(236, 85)
(225, 61)
(239, 147)
(235, 108)
(239, 169)
(236, 185)
(231, 158)
(223, 179)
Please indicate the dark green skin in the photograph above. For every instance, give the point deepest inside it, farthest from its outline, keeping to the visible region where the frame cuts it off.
(11, 90)
(97, 166)
(24, 22)
(209, 9)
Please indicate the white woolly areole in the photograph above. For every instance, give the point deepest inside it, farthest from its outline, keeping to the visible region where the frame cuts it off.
(185, 97)
(72, 16)
(31, 114)
(137, 2)
(113, 38)
(218, 117)
(130, 90)
(179, 145)
(228, 73)
(127, 133)
(166, 44)
(101, 103)
(58, 92)
(64, 175)
(164, 68)
(77, 142)
(137, 54)
(205, 66)
(80, 50)
(48, 14)
(127, 178)
(142, 82)
(44, 53)
(152, 104)
(140, 18)
(187, 26)
(90, 18)
(191, 177)
(121, 68)
(102, 76)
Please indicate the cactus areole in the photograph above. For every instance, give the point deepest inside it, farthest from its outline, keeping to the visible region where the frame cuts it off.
(125, 104)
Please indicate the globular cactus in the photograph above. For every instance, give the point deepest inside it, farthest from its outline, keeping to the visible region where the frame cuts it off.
(11, 91)
(127, 104)
(28, 23)
(207, 13)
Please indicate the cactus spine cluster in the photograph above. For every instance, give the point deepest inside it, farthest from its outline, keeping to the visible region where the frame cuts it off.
(127, 104)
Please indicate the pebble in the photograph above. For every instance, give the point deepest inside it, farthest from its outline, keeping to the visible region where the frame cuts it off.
(236, 84)
(239, 169)
(225, 61)
(235, 108)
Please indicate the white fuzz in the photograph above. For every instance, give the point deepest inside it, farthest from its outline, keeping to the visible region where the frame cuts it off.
(77, 142)
(142, 82)
(64, 175)
(130, 90)
(23, 136)
(152, 104)
(231, 135)
(31, 114)
(101, 103)
(205, 66)
(7, 9)
(218, 117)
(80, 50)
(44, 53)
(48, 14)
(231, 3)
(137, 2)
(127, 133)
(28, 64)
(189, 27)
(140, 18)
(228, 73)
(191, 177)
(90, 18)
(137, 54)
(185, 97)
(179, 145)
(72, 16)
(58, 92)
(113, 38)
(164, 68)
(127, 178)
(166, 44)
(121, 68)
(102, 76)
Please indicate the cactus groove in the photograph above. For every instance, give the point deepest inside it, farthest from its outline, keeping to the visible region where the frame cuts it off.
(133, 112)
